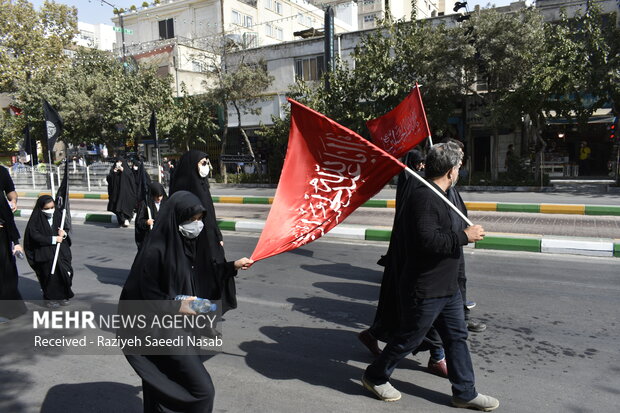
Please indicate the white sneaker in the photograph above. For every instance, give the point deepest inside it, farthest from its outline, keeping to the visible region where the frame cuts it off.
(480, 402)
(385, 391)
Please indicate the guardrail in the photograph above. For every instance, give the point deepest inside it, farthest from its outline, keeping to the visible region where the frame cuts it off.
(92, 177)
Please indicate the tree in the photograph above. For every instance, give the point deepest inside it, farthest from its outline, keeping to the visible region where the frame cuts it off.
(33, 41)
(239, 84)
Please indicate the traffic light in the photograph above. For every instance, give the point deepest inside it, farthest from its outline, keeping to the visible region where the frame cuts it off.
(612, 132)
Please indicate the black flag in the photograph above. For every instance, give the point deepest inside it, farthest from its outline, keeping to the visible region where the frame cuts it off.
(53, 124)
(62, 197)
(153, 129)
(27, 140)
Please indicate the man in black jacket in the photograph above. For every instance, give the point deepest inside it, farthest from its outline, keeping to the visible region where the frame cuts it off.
(428, 253)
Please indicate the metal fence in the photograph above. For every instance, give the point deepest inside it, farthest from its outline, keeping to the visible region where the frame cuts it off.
(89, 178)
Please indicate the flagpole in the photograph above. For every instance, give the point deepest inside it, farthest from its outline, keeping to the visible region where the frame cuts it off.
(148, 210)
(49, 153)
(446, 200)
(158, 165)
(62, 224)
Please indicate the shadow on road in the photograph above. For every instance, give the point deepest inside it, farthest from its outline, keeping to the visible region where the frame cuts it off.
(346, 271)
(93, 397)
(107, 275)
(345, 313)
(320, 357)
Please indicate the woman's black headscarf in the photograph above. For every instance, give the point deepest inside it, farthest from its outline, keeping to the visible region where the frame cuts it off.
(114, 184)
(141, 229)
(216, 280)
(127, 191)
(186, 178)
(38, 225)
(162, 268)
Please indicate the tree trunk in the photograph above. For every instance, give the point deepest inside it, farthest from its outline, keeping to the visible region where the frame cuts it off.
(245, 137)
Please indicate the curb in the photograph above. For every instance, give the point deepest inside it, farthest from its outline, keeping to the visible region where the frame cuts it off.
(494, 241)
(577, 209)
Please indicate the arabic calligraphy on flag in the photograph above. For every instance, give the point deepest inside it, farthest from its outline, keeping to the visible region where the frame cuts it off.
(401, 129)
(328, 172)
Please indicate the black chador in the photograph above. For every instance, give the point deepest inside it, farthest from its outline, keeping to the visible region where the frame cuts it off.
(149, 209)
(11, 304)
(40, 243)
(123, 192)
(164, 268)
(190, 175)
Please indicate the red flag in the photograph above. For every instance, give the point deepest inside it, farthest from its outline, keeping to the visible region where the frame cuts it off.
(328, 172)
(401, 129)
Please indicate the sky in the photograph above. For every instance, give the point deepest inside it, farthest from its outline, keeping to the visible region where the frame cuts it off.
(93, 12)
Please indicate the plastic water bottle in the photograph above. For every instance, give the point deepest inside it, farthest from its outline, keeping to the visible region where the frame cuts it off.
(19, 255)
(199, 305)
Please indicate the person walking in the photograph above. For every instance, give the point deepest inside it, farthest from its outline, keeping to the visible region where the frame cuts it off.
(163, 269)
(428, 256)
(191, 174)
(43, 234)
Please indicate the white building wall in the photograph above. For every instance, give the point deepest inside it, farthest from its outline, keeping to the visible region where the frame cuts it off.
(96, 36)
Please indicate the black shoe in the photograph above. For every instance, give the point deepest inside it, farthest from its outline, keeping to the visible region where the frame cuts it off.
(476, 326)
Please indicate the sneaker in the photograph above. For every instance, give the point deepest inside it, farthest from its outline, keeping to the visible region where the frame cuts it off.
(480, 402)
(476, 326)
(385, 391)
(370, 342)
(126, 223)
(52, 304)
(470, 304)
(438, 368)
(65, 303)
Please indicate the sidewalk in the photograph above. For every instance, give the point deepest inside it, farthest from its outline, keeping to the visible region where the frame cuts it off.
(601, 247)
(601, 204)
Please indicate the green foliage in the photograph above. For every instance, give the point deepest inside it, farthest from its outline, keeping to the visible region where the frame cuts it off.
(33, 41)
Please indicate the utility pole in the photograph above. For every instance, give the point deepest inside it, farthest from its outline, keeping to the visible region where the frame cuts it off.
(329, 58)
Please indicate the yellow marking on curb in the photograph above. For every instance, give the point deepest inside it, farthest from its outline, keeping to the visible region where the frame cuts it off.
(231, 200)
(562, 209)
(271, 200)
(391, 203)
(481, 206)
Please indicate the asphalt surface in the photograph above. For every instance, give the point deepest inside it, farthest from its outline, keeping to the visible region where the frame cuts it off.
(503, 222)
(291, 345)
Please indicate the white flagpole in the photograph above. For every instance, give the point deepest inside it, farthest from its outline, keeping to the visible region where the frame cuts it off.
(62, 225)
(430, 140)
(446, 200)
(49, 153)
(148, 210)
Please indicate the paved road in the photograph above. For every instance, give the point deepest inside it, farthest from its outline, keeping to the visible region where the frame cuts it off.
(508, 222)
(291, 345)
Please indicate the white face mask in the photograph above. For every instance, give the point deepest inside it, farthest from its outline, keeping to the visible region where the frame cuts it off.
(48, 212)
(203, 171)
(191, 229)
(135, 168)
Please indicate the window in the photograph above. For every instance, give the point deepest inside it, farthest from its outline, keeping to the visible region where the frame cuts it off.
(369, 2)
(274, 5)
(369, 18)
(278, 7)
(166, 29)
(242, 19)
(269, 29)
(309, 68)
(279, 33)
(236, 17)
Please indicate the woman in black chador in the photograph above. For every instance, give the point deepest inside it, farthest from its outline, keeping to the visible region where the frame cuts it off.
(122, 195)
(191, 175)
(164, 268)
(11, 304)
(43, 233)
(144, 221)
